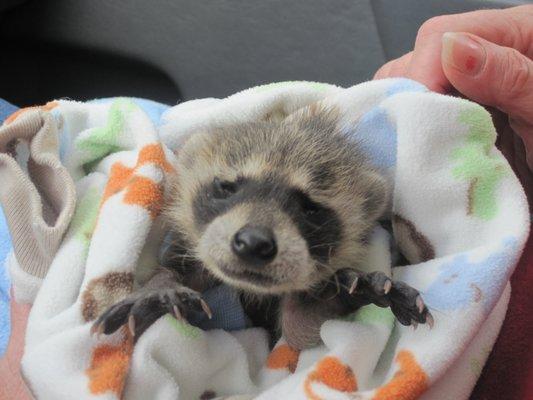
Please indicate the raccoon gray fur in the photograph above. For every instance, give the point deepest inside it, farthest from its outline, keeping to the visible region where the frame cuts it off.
(278, 209)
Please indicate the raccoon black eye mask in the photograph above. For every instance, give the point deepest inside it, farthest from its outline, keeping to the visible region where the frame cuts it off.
(278, 210)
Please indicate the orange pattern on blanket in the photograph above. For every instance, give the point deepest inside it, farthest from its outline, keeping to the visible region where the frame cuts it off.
(408, 383)
(331, 372)
(140, 190)
(109, 366)
(153, 153)
(145, 193)
(283, 357)
(110, 363)
(118, 179)
(47, 107)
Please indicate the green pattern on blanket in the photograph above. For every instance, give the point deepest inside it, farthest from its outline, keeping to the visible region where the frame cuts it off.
(372, 314)
(102, 141)
(477, 164)
(184, 328)
(84, 219)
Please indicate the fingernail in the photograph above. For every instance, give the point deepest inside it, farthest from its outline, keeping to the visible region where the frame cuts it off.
(463, 53)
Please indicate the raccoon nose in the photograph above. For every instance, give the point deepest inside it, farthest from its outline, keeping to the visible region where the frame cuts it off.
(255, 245)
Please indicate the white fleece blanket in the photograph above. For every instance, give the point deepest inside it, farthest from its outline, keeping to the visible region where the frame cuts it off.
(459, 215)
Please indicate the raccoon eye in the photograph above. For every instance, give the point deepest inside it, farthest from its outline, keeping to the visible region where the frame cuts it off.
(223, 189)
(311, 208)
(308, 206)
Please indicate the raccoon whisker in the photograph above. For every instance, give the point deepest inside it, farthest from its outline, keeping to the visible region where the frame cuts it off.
(318, 227)
(191, 256)
(326, 267)
(180, 257)
(317, 246)
(177, 252)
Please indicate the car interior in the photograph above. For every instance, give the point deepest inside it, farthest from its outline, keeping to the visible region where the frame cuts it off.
(177, 50)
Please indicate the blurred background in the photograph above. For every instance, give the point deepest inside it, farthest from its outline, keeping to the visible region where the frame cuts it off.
(173, 50)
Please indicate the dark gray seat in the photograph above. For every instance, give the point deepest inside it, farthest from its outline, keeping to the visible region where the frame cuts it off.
(178, 49)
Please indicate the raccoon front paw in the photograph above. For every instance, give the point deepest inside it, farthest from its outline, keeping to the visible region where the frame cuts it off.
(144, 308)
(377, 288)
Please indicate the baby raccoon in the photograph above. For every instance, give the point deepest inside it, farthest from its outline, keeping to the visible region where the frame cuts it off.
(276, 209)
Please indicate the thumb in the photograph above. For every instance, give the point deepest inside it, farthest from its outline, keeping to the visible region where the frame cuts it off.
(492, 75)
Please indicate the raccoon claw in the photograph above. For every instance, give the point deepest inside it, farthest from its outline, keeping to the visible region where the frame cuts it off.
(408, 306)
(368, 288)
(176, 312)
(387, 286)
(377, 288)
(131, 325)
(430, 321)
(353, 286)
(206, 308)
(419, 304)
(141, 310)
(96, 329)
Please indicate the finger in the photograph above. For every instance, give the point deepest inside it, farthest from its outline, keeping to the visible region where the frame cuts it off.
(383, 71)
(492, 75)
(511, 27)
(19, 320)
(399, 67)
(11, 384)
(394, 68)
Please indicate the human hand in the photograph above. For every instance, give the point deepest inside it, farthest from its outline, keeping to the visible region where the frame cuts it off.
(486, 56)
(11, 384)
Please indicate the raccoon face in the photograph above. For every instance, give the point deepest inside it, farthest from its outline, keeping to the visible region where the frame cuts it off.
(263, 234)
(274, 207)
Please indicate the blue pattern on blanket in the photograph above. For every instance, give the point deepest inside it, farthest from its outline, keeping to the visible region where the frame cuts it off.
(6, 109)
(405, 85)
(470, 281)
(377, 137)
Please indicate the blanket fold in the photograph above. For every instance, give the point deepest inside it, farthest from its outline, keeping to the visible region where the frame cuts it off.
(38, 196)
(84, 188)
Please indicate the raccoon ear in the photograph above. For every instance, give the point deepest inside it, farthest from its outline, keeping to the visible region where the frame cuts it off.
(377, 196)
(314, 112)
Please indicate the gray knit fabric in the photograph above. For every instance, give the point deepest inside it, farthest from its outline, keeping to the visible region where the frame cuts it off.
(38, 202)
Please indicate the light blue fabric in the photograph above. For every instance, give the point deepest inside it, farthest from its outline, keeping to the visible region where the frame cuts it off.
(405, 85)
(377, 137)
(228, 312)
(6, 109)
(470, 279)
(5, 323)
